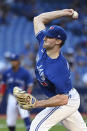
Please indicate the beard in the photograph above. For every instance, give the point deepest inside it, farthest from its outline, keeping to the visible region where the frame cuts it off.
(44, 46)
(47, 46)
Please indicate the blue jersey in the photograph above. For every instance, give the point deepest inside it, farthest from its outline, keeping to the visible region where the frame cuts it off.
(20, 78)
(53, 75)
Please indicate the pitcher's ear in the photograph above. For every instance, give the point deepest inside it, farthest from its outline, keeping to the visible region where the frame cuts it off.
(58, 41)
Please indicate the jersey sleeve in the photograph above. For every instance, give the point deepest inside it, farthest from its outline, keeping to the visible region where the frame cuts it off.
(40, 36)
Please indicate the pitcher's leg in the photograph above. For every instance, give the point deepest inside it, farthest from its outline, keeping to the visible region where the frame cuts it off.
(75, 122)
(46, 119)
(40, 118)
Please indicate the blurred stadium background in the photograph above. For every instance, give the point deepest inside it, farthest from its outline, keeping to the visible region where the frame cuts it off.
(17, 36)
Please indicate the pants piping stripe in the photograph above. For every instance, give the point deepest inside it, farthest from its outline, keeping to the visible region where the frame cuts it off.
(39, 124)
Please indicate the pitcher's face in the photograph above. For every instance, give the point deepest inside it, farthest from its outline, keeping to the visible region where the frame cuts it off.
(49, 43)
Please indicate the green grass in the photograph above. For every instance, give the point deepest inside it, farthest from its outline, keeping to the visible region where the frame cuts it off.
(20, 126)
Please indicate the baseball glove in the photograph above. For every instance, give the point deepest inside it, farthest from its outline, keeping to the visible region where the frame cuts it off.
(25, 100)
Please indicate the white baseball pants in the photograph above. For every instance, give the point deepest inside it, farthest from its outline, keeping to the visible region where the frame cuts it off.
(12, 111)
(68, 115)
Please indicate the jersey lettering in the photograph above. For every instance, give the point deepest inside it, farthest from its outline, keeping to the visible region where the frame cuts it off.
(41, 72)
(68, 65)
(37, 58)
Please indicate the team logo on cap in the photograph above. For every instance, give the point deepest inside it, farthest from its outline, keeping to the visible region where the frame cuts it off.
(51, 27)
(44, 84)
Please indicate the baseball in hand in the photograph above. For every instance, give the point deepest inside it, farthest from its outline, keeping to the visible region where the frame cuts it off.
(75, 15)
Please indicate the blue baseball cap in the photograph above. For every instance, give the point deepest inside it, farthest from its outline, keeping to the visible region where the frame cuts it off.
(14, 57)
(56, 32)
